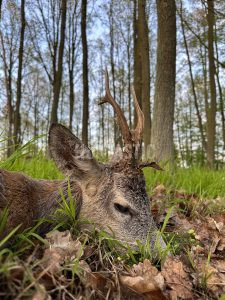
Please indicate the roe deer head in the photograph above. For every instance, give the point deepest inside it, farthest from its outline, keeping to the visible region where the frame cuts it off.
(112, 195)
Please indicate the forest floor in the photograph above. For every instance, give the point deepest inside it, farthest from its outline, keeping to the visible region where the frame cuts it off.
(189, 206)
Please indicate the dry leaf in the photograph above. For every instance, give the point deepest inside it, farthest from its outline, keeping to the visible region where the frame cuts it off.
(219, 265)
(211, 274)
(61, 248)
(177, 279)
(159, 191)
(41, 295)
(63, 240)
(85, 270)
(219, 225)
(52, 260)
(95, 280)
(221, 244)
(145, 279)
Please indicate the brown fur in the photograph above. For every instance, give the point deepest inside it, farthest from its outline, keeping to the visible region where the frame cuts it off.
(28, 199)
(113, 196)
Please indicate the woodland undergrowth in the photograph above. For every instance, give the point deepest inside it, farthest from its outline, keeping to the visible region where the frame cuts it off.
(189, 207)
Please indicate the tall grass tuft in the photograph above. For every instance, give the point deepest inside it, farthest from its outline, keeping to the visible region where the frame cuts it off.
(203, 182)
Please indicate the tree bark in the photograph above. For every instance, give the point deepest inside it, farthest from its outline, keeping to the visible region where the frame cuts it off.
(71, 83)
(8, 86)
(221, 103)
(72, 35)
(85, 73)
(111, 26)
(211, 112)
(145, 75)
(58, 75)
(0, 9)
(163, 115)
(200, 124)
(137, 59)
(17, 120)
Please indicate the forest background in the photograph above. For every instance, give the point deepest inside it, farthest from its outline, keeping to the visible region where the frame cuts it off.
(53, 56)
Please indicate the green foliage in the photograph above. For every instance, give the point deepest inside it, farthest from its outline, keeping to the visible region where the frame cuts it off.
(200, 181)
(38, 167)
(26, 159)
(65, 215)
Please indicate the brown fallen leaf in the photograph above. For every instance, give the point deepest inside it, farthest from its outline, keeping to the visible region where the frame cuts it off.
(63, 240)
(221, 244)
(181, 223)
(219, 265)
(52, 260)
(145, 279)
(84, 271)
(177, 279)
(159, 189)
(61, 248)
(211, 274)
(213, 224)
(219, 226)
(95, 280)
(38, 296)
(41, 294)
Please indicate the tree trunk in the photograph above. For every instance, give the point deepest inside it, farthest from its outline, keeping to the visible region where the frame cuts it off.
(0, 9)
(221, 106)
(129, 84)
(85, 73)
(17, 120)
(8, 86)
(71, 98)
(145, 75)
(58, 75)
(163, 115)
(200, 124)
(211, 112)
(71, 38)
(137, 59)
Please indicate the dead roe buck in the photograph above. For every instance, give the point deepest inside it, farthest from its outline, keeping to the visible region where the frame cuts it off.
(111, 195)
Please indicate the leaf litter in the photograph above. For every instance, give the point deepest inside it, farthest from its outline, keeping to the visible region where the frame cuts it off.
(76, 268)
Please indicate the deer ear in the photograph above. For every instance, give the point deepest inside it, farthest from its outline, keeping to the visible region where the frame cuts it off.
(70, 155)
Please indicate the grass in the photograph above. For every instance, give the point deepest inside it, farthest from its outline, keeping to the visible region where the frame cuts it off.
(38, 167)
(200, 181)
(203, 182)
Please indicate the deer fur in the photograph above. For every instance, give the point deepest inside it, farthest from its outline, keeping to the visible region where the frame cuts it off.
(98, 189)
(112, 195)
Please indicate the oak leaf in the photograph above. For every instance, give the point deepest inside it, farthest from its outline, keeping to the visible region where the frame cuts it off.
(177, 279)
(145, 279)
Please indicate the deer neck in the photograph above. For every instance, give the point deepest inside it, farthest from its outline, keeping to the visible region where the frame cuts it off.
(51, 194)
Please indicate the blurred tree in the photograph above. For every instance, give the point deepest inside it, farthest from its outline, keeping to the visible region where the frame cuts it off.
(85, 73)
(71, 52)
(59, 69)
(211, 105)
(17, 117)
(163, 114)
(137, 55)
(200, 123)
(145, 74)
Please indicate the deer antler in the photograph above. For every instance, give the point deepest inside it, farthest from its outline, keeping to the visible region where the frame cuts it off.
(126, 134)
(131, 138)
(151, 164)
(137, 132)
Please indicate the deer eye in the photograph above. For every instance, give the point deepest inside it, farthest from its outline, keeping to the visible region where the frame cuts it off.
(122, 209)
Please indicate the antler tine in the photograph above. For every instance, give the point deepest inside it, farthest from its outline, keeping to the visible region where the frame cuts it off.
(137, 132)
(122, 122)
